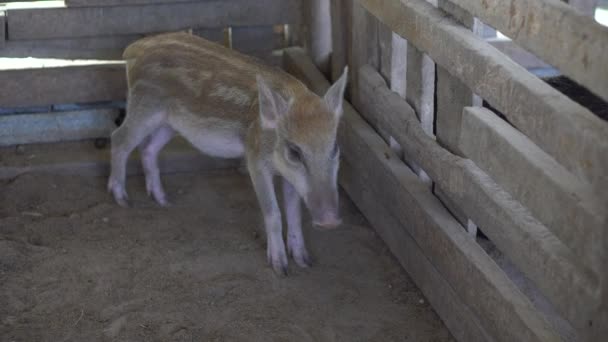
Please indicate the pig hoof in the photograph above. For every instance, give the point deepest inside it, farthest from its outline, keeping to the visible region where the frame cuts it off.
(281, 271)
(122, 201)
(303, 261)
(163, 202)
(279, 264)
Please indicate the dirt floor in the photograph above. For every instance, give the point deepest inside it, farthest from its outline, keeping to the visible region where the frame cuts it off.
(76, 267)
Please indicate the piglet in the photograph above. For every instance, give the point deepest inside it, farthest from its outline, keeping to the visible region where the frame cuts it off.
(230, 105)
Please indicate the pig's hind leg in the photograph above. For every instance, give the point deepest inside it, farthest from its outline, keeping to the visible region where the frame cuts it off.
(149, 150)
(141, 120)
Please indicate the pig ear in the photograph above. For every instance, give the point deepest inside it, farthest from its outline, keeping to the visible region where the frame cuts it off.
(272, 105)
(335, 93)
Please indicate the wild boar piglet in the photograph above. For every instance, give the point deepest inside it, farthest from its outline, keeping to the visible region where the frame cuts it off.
(230, 105)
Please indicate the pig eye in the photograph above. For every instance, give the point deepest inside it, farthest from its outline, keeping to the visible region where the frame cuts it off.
(294, 153)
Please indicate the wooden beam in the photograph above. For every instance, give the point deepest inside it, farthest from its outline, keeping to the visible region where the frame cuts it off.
(574, 44)
(339, 33)
(2, 28)
(364, 46)
(517, 54)
(102, 3)
(82, 158)
(50, 23)
(105, 48)
(56, 85)
(557, 198)
(498, 305)
(456, 315)
(550, 119)
(58, 126)
(530, 245)
(318, 17)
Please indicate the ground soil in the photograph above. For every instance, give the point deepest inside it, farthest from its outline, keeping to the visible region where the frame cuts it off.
(75, 267)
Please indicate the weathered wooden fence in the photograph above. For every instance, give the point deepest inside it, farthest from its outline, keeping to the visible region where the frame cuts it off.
(95, 32)
(427, 164)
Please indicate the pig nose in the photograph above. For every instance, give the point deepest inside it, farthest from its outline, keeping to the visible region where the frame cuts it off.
(328, 221)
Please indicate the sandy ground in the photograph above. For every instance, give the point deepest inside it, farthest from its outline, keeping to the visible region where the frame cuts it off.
(75, 267)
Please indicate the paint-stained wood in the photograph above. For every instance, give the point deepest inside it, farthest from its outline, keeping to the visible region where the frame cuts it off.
(527, 242)
(55, 127)
(498, 305)
(119, 20)
(574, 44)
(71, 84)
(551, 120)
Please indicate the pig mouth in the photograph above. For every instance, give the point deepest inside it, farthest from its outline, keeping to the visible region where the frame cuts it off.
(327, 224)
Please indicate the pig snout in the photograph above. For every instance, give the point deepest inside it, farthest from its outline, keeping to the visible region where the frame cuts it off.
(324, 212)
(327, 220)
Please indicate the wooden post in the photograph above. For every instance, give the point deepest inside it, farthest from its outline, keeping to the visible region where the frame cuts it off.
(452, 97)
(340, 35)
(2, 28)
(319, 41)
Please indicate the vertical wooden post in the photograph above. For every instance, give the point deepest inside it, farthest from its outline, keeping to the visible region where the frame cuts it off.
(2, 28)
(399, 64)
(340, 35)
(452, 97)
(318, 18)
(364, 46)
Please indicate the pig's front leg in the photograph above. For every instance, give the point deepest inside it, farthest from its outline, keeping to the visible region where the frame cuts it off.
(295, 239)
(265, 192)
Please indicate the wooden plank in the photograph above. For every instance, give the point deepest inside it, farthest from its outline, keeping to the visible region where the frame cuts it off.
(456, 315)
(399, 64)
(54, 127)
(520, 236)
(577, 46)
(99, 21)
(421, 87)
(107, 48)
(452, 97)
(551, 193)
(257, 38)
(55, 85)
(385, 50)
(82, 158)
(551, 120)
(339, 22)
(500, 308)
(517, 54)
(364, 46)
(246, 39)
(318, 17)
(2, 28)
(101, 3)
